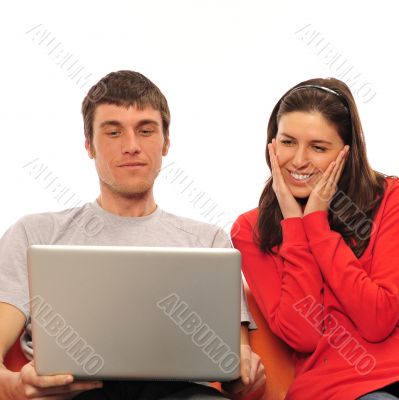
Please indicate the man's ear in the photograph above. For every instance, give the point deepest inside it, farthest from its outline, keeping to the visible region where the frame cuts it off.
(89, 149)
(165, 147)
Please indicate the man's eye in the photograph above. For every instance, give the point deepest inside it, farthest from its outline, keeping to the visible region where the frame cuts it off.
(113, 133)
(146, 132)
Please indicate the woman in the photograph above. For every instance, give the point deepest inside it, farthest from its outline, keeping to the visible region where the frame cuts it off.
(321, 251)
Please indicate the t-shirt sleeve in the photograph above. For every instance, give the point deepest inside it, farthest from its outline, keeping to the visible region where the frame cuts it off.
(14, 288)
(222, 240)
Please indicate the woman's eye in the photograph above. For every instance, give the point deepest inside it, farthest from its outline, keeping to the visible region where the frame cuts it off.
(320, 149)
(285, 141)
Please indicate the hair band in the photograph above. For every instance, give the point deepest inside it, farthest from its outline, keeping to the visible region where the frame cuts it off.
(325, 89)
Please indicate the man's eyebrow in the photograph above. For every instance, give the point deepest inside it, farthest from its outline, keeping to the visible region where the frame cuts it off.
(110, 122)
(118, 123)
(148, 121)
(312, 141)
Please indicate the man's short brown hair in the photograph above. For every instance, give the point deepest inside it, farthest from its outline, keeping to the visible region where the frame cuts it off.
(124, 88)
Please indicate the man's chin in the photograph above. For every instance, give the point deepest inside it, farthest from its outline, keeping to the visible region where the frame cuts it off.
(135, 192)
(138, 190)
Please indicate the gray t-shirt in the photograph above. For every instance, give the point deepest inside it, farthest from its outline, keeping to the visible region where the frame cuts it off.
(92, 225)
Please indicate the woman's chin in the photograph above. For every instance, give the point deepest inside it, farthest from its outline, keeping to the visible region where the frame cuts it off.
(300, 193)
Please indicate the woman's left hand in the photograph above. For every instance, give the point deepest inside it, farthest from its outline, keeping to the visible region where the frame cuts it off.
(324, 190)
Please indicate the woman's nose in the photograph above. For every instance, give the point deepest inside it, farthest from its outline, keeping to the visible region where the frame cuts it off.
(300, 158)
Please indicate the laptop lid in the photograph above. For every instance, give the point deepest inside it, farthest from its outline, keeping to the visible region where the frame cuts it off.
(116, 312)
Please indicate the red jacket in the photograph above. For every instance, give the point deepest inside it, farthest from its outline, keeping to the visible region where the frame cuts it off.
(339, 313)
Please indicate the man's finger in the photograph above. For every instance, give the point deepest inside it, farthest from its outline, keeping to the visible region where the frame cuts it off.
(245, 371)
(29, 376)
(256, 387)
(66, 390)
(233, 387)
(255, 367)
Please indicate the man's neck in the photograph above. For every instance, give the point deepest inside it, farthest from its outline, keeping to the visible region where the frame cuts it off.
(127, 206)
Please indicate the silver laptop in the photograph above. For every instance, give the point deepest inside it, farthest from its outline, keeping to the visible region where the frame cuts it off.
(118, 312)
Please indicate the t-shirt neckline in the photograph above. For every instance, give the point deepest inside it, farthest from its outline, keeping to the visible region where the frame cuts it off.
(111, 216)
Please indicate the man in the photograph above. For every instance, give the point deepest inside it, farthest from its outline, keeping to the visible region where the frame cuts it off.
(127, 134)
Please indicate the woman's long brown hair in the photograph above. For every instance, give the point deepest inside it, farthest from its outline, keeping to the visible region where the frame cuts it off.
(360, 189)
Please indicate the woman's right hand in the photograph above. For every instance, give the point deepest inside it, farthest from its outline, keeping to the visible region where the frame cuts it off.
(288, 205)
(57, 387)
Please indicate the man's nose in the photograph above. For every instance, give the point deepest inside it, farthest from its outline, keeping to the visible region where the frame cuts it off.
(131, 143)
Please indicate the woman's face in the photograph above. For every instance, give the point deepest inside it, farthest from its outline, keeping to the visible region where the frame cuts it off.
(306, 144)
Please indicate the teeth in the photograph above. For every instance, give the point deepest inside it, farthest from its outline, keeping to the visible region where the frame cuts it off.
(300, 177)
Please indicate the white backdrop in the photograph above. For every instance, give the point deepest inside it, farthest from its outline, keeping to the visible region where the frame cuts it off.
(222, 66)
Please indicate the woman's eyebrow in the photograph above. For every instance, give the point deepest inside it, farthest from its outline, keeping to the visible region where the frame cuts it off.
(321, 141)
(312, 141)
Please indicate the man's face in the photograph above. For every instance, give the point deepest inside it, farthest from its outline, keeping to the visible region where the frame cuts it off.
(128, 145)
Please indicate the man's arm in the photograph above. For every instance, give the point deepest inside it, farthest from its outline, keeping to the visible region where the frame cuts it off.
(27, 384)
(11, 324)
(12, 321)
(252, 371)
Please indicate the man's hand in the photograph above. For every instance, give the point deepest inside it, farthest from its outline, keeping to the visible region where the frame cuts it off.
(58, 387)
(252, 378)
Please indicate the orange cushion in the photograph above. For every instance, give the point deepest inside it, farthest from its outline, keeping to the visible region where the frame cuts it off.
(275, 354)
(15, 359)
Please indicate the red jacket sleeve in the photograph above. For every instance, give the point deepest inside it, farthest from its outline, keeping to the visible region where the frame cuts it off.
(276, 292)
(370, 298)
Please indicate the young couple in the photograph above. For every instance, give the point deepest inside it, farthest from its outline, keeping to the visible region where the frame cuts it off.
(321, 246)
